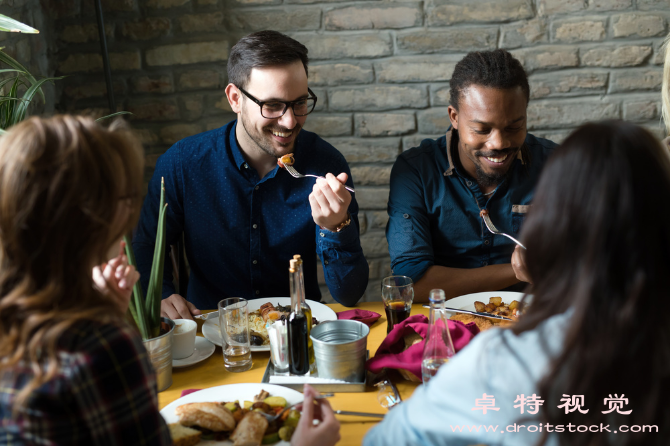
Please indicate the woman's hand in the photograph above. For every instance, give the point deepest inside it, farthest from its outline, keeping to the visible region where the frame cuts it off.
(116, 279)
(519, 265)
(326, 433)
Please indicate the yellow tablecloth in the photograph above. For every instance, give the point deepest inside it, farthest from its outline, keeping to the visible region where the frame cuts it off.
(211, 373)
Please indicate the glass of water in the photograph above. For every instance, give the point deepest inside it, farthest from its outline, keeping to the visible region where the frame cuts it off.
(234, 326)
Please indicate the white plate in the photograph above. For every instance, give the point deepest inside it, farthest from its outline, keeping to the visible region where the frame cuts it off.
(203, 350)
(230, 392)
(467, 301)
(210, 328)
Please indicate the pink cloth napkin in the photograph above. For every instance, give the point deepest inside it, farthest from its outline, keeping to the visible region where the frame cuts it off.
(391, 353)
(365, 316)
(188, 391)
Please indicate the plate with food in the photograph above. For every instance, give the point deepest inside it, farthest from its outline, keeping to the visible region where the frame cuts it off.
(278, 307)
(499, 303)
(231, 415)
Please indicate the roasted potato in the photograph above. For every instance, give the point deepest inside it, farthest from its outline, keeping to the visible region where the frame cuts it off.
(480, 307)
(495, 301)
(514, 305)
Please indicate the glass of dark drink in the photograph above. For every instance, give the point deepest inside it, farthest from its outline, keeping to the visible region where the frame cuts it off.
(397, 295)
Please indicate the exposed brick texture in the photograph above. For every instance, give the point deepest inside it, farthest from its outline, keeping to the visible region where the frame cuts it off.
(380, 68)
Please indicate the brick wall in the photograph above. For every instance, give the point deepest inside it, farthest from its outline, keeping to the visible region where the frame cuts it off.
(31, 50)
(381, 70)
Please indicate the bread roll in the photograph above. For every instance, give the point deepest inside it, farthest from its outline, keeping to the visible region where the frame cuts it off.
(184, 436)
(212, 416)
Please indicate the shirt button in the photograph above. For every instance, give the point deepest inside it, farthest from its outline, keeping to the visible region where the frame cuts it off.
(405, 215)
(257, 187)
(255, 262)
(483, 264)
(246, 166)
(469, 183)
(322, 234)
(254, 226)
(258, 292)
(486, 242)
(325, 262)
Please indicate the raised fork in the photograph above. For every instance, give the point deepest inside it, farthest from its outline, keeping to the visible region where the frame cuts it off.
(271, 418)
(492, 228)
(295, 174)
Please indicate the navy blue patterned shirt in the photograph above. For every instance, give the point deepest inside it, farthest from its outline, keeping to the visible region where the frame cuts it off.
(434, 208)
(241, 230)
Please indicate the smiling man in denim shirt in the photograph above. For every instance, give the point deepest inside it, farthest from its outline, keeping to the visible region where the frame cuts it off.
(486, 161)
(243, 217)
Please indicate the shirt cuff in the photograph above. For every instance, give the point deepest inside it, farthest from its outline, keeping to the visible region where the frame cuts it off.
(331, 239)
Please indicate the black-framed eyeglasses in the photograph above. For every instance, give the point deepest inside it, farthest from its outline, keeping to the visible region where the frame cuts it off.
(276, 109)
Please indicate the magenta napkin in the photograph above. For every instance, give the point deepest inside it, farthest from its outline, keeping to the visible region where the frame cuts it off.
(188, 391)
(365, 316)
(392, 354)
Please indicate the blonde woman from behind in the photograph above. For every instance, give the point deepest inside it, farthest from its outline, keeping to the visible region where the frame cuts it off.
(71, 370)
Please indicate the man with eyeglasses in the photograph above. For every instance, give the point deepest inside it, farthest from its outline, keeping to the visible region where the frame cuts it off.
(243, 217)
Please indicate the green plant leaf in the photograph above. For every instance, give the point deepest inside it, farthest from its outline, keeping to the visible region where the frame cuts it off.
(114, 114)
(8, 24)
(21, 109)
(136, 306)
(8, 60)
(155, 287)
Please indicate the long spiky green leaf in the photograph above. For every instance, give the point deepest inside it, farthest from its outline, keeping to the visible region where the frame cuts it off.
(137, 301)
(155, 288)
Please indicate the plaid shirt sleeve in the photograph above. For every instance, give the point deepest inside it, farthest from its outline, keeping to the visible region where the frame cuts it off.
(105, 394)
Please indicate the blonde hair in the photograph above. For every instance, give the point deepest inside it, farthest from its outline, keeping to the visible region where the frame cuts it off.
(665, 88)
(63, 182)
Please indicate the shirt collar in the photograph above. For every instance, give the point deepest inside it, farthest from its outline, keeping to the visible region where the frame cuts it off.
(452, 141)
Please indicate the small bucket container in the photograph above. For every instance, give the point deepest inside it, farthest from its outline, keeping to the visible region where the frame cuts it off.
(340, 348)
(160, 355)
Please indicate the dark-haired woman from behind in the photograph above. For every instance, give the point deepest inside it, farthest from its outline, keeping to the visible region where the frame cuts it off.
(588, 363)
(72, 372)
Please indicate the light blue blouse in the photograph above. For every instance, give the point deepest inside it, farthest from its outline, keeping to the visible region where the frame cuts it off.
(496, 363)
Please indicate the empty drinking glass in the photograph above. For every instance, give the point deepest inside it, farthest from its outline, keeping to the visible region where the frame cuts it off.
(234, 325)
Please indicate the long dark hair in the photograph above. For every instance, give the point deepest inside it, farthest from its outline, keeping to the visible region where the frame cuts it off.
(599, 247)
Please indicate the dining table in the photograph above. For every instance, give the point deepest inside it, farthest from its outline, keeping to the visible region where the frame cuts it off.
(211, 373)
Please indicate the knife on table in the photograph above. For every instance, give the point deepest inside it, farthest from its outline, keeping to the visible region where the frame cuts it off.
(475, 313)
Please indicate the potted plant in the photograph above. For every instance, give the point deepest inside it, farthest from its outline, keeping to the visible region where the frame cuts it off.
(155, 330)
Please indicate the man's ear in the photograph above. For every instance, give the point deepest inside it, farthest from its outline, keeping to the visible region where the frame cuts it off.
(453, 116)
(234, 98)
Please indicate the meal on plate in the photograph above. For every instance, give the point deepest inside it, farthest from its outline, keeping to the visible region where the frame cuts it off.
(495, 306)
(244, 425)
(267, 313)
(286, 160)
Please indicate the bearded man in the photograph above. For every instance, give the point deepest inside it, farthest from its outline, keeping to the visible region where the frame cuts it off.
(243, 217)
(486, 161)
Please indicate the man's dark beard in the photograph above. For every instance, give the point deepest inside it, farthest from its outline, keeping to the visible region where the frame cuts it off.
(486, 180)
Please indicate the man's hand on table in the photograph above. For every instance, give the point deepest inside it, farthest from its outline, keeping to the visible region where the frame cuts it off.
(176, 307)
(326, 433)
(330, 201)
(519, 265)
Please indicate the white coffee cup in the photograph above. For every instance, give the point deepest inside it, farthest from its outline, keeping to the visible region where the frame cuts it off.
(183, 338)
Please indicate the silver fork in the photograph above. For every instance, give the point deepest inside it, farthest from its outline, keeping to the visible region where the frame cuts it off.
(295, 174)
(271, 418)
(492, 228)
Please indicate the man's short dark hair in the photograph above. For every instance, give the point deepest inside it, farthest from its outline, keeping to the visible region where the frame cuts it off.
(263, 49)
(493, 69)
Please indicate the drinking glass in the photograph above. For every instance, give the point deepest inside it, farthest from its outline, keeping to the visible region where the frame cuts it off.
(397, 295)
(234, 326)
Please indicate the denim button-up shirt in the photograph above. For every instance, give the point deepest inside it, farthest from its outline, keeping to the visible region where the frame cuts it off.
(241, 230)
(434, 207)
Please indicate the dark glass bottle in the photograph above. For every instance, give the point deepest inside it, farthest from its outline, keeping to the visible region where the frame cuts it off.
(307, 311)
(297, 327)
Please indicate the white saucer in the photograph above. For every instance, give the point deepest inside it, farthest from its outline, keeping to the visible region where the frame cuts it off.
(203, 350)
